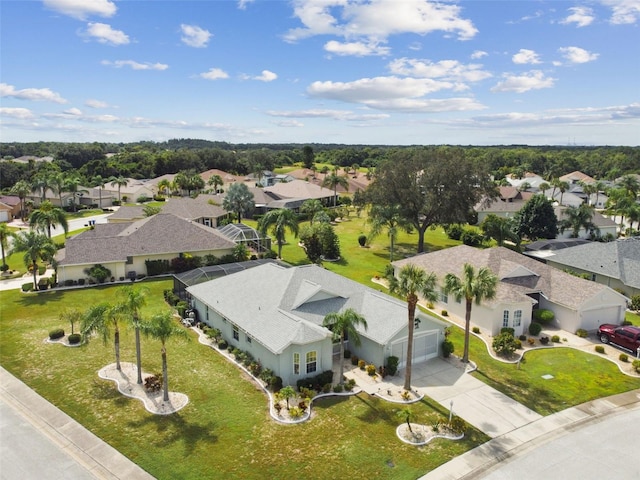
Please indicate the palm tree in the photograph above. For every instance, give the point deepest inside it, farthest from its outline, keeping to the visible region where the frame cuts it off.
(41, 182)
(387, 217)
(189, 180)
(72, 185)
(344, 325)
(162, 327)
(132, 300)
(543, 187)
(500, 229)
(311, 207)
(563, 187)
(215, 181)
(120, 182)
(411, 282)
(99, 182)
(630, 184)
(600, 187)
(5, 234)
(588, 189)
(577, 218)
(281, 220)
(473, 287)
(58, 183)
(101, 319)
(332, 181)
(238, 199)
(47, 216)
(21, 188)
(36, 247)
(165, 186)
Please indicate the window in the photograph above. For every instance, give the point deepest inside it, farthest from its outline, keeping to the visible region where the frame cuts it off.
(207, 222)
(505, 319)
(129, 260)
(248, 338)
(444, 298)
(236, 333)
(311, 362)
(207, 313)
(296, 364)
(517, 318)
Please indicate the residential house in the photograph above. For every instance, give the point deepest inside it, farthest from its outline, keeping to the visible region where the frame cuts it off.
(5, 213)
(302, 190)
(614, 264)
(532, 179)
(13, 202)
(577, 177)
(135, 188)
(509, 202)
(606, 226)
(276, 314)
(524, 284)
(124, 247)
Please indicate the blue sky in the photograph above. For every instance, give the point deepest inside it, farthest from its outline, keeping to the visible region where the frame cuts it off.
(322, 71)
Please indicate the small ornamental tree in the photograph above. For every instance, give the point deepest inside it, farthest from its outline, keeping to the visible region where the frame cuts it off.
(98, 272)
(635, 303)
(504, 344)
(286, 393)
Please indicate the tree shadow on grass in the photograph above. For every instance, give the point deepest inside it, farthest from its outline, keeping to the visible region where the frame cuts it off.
(174, 428)
(102, 390)
(30, 299)
(373, 412)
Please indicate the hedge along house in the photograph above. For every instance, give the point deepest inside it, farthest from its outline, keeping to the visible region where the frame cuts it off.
(276, 314)
(124, 248)
(524, 284)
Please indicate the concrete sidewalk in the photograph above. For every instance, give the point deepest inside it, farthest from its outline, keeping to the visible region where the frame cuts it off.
(475, 463)
(41, 441)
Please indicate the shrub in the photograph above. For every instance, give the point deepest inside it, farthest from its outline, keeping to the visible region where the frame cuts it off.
(347, 354)
(635, 303)
(531, 341)
(447, 348)
(522, 338)
(361, 364)
(57, 333)
(153, 383)
(471, 238)
(535, 328)
(508, 330)
(354, 360)
(504, 344)
(543, 316)
(223, 345)
(371, 370)
(582, 333)
(74, 338)
(636, 365)
(518, 344)
(544, 340)
(350, 384)
(68, 283)
(392, 365)
(457, 425)
(555, 339)
(362, 240)
(142, 199)
(600, 348)
(81, 281)
(327, 388)
(337, 388)
(315, 383)
(623, 357)
(476, 330)
(27, 287)
(454, 232)
(444, 313)
(98, 272)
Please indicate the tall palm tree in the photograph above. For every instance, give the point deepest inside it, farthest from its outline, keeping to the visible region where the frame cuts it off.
(579, 217)
(215, 181)
(387, 217)
(345, 325)
(72, 185)
(21, 189)
(41, 182)
(588, 189)
(630, 184)
(600, 187)
(163, 327)
(474, 287)
(311, 207)
(563, 187)
(120, 182)
(101, 319)
(5, 234)
(238, 200)
(98, 181)
(132, 300)
(47, 216)
(332, 181)
(280, 220)
(36, 247)
(543, 187)
(165, 186)
(411, 282)
(58, 184)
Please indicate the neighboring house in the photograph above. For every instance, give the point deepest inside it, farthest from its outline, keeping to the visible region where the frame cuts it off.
(135, 189)
(534, 180)
(606, 226)
(509, 202)
(542, 249)
(615, 264)
(124, 247)
(302, 190)
(12, 202)
(5, 213)
(577, 177)
(269, 178)
(276, 314)
(523, 285)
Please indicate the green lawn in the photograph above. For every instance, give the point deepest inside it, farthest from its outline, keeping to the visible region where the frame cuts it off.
(225, 431)
(634, 318)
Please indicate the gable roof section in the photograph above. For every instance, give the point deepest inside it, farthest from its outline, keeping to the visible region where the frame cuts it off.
(619, 259)
(299, 189)
(159, 234)
(193, 208)
(556, 285)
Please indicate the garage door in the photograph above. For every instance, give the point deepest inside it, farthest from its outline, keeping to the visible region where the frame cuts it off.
(591, 319)
(4, 216)
(425, 346)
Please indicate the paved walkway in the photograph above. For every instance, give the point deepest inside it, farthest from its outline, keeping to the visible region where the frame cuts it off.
(37, 440)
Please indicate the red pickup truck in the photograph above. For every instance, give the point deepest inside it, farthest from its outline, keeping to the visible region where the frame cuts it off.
(626, 336)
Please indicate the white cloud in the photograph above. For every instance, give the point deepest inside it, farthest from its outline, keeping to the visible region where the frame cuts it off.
(578, 55)
(478, 54)
(20, 113)
(534, 80)
(525, 56)
(377, 20)
(103, 33)
(623, 12)
(195, 36)
(242, 4)
(357, 49)
(73, 111)
(214, 74)
(81, 9)
(326, 113)
(445, 69)
(581, 16)
(136, 65)
(34, 94)
(289, 124)
(96, 103)
(265, 76)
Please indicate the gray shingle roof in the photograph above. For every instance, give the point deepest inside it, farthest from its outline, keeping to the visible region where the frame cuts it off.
(279, 306)
(514, 284)
(619, 259)
(193, 208)
(158, 234)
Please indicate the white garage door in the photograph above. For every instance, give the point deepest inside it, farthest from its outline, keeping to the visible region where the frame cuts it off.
(591, 319)
(4, 216)
(425, 346)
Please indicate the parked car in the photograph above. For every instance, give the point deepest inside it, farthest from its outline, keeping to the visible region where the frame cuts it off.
(626, 336)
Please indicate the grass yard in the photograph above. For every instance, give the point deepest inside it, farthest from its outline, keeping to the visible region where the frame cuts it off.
(634, 318)
(225, 431)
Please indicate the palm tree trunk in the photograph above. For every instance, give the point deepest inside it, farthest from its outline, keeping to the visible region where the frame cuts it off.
(409, 423)
(165, 375)
(116, 343)
(35, 279)
(138, 360)
(341, 359)
(409, 360)
(467, 327)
